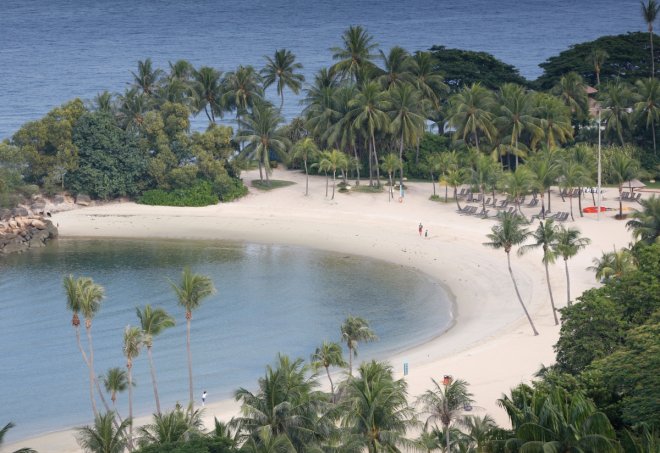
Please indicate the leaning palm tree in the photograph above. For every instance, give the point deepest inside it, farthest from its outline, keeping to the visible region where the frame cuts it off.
(505, 235)
(306, 150)
(131, 349)
(375, 409)
(281, 69)
(597, 58)
(445, 403)
(613, 265)
(208, 92)
(104, 437)
(327, 355)
(568, 244)
(354, 330)
(260, 129)
(115, 380)
(650, 13)
(152, 323)
(84, 296)
(645, 225)
(544, 237)
(192, 290)
(4, 430)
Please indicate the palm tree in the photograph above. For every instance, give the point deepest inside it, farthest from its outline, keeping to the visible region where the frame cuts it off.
(115, 380)
(435, 162)
(192, 290)
(208, 92)
(266, 442)
(281, 70)
(517, 183)
(616, 99)
(554, 119)
(390, 164)
(515, 115)
(574, 175)
(103, 437)
(171, 427)
(426, 79)
(305, 149)
(376, 409)
(396, 63)
(455, 177)
(645, 224)
(544, 237)
(260, 130)
(327, 355)
(572, 90)
(505, 235)
(622, 168)
(649, 13)
(104, 102)
(354, 330)
(471, 113)
(597, 57)
(479, 431)
(331, 161)
(369, 108)
(243, 89)
(406, 109)
(648, 104)
(545, 169)
(147, 78)
(152, 323)
(445, 403)
(356, 55)
(131, 349)
(4, 430)
(84, 296)
(482, 172)
(613, 264)
(568, 243)
(133, 106)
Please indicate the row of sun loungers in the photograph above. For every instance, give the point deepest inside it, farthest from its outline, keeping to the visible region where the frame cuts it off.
(627, 196)
(558, 216)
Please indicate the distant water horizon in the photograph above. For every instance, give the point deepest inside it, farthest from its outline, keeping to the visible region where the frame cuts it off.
(55, 50)
(271, 299)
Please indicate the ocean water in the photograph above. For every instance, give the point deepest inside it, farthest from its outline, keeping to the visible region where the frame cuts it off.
(54, 50)
(270, 299)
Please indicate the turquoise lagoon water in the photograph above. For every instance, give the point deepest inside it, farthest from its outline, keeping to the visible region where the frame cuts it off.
(270, 299)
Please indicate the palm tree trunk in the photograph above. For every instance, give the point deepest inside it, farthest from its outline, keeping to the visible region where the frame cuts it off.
(515, 285)
(570, 203)
(327, 182)
(153, 379)
(261, 175)
(552, 300)
(373, 140)
(543, 204)
(447, 438)
(568, 284)
(306, 178)
(357, 165)
(350, 361)
(580, 202)
(549, 209)
(129, 365)
(391, 187)
(334, 177)
(655, 153)
(332, 387)
(401, 162)
(652, 55)
(433, 182)
(620, 201)
(282, 101)
(92, 375)
(190, 375)
(371, 170)
(456, 198)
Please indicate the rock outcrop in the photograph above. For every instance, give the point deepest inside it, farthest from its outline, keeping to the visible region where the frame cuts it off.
(20, 233)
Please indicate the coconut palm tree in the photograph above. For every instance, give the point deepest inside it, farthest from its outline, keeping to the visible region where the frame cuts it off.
(479, 432)
(434, 163)
(327, 355)
(281, 69)
(648, 103)
(115, 380)
(353, 330)
(243, 89)
(517, 184)
(568, 243)
(572, 91)
(614, 264)
(260, 129)
(554, 119)
(104, 437)
(375, 408)
(507, 233)
(622, 168)
(471, 113)
(545, 168)
(544, 237)
(152, 323)
(331, 161)
(84, 297)
(208, 92)
(4, 430)
(515, 116)
(266, 442)
(481, 173)
(356, 55)
(397, 64)
(616, 99)
(426, 78)
(390, 164)
(369, 111)
(305, 149)
(574, 175)
(147, 78)
(455, 177)
(597, 58)
(406, 110)
(133, 106)
(103, 102)
(445, 403)
(649, 13)
(645, 224)
(131, 349)
(171, 427)
(192, 290)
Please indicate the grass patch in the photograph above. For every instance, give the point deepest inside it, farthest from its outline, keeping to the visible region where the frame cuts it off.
(368, 189)
(274, 184)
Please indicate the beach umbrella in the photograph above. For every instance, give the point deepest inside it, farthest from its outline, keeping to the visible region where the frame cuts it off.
(635, 184)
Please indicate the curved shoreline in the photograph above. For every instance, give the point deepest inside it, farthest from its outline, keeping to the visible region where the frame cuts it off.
(490, 343)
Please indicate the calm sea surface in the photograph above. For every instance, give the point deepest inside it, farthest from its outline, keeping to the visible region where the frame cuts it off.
(54, 50)
(270, 299)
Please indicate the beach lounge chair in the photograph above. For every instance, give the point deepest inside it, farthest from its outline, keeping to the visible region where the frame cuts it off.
(638, 198)
(533, 203)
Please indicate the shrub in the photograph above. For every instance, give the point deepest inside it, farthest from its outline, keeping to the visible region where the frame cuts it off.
(229, 188)
(200, 194)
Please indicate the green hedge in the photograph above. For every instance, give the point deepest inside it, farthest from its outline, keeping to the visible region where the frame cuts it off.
(201, 194)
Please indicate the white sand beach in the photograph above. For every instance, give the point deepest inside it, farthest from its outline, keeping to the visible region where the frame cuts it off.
(490, 345)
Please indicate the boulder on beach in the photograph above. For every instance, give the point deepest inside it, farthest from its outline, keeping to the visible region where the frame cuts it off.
(83, 200)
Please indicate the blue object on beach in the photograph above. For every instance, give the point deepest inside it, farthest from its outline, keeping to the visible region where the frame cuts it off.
(405, 368)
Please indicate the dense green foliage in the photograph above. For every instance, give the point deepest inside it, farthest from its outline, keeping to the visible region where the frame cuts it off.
(461, 68)
(200, 194)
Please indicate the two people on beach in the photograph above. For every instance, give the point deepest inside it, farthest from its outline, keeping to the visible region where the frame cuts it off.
(421, 228)
(204, 395)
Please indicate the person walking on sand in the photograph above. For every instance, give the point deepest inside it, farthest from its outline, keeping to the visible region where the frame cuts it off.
(426, 234)
(421, 228)
(204, 398)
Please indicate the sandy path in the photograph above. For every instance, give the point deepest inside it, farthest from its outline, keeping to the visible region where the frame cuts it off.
(491, 344)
